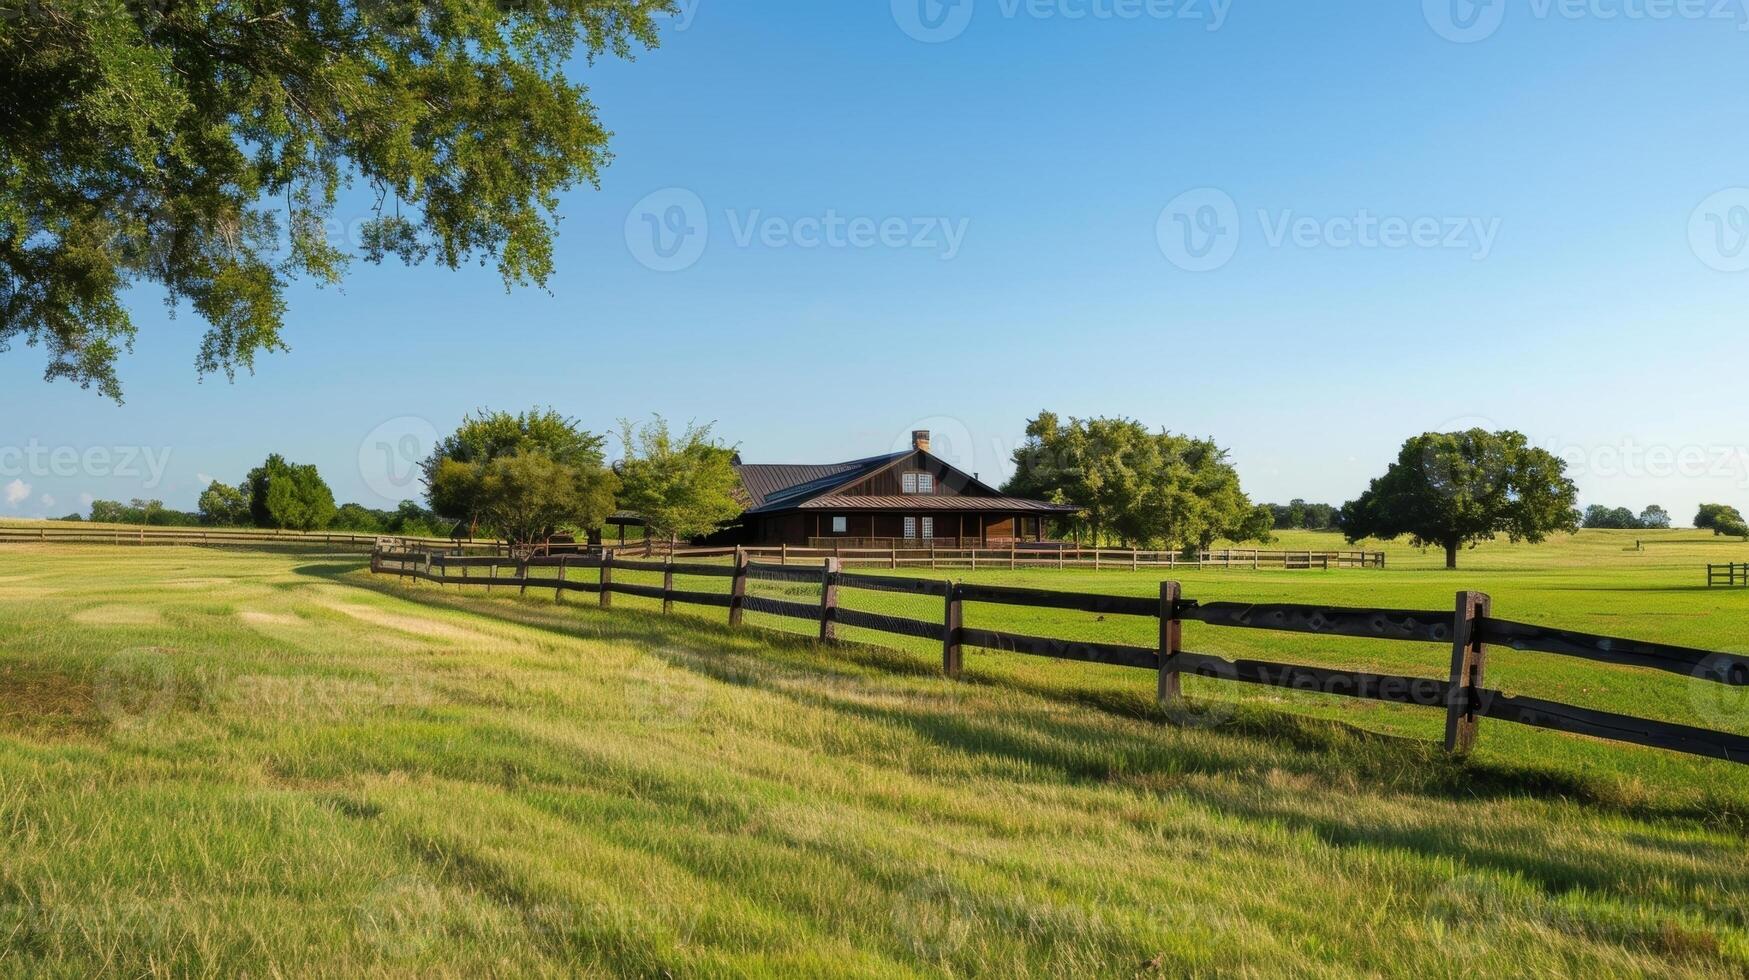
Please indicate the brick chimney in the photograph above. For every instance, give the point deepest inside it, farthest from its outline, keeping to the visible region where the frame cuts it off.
(920, 440)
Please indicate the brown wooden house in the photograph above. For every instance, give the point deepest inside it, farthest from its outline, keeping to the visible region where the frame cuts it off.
(909, 498)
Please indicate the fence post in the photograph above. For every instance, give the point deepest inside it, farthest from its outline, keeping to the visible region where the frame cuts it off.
(952, 656)
(1171, 642)
(738, 587)
(559, 586)
(522, 573)
(606, 579)
(783, 554)
(829, 601)
(1469, 658)
(668, 585)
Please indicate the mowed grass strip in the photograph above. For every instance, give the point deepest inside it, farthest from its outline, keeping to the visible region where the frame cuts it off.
(293, 768)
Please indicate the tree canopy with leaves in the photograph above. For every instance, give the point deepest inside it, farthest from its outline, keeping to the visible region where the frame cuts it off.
(483, 473)
(288, 496)
(1460, 488)
(203, 147)
(1140, 486)
(682, 487)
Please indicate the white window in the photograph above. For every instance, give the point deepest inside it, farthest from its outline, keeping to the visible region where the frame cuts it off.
(910, 528)
(925, 483)
(911, 483)
(929, 529)
(840, 525)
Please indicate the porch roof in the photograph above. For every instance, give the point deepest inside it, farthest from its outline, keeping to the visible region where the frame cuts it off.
(926, 503)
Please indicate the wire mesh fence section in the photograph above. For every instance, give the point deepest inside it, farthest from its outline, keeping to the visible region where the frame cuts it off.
(893, 611)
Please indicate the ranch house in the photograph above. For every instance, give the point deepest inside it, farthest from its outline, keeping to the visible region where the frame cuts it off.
(900, 499)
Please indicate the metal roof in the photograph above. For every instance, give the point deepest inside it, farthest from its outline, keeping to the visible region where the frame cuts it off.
(773, 486)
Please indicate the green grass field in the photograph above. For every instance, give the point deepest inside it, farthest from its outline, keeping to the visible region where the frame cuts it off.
(234, 762)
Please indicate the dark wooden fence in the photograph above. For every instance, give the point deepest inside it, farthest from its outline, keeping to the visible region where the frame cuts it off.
(1468, 631)
(1727, 575)
(948, 553)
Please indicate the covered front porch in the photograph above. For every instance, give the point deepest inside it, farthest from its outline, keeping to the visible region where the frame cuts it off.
(952, 529)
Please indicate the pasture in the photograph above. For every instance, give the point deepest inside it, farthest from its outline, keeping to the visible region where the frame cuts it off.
(221, 762)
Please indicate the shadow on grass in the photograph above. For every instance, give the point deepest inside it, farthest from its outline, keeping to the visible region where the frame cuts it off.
(1301, 744)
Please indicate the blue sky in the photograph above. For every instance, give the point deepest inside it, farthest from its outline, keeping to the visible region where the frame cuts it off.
(1403, 217)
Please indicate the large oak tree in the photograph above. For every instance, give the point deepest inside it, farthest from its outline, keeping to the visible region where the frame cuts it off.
(1452, 489)
(202, 145)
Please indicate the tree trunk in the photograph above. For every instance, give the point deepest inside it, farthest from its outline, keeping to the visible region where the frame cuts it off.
(1451, 553)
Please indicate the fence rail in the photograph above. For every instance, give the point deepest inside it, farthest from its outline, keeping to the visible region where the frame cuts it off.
(1469, 632)
(140, 534)
(1736, 576)
(944, 553)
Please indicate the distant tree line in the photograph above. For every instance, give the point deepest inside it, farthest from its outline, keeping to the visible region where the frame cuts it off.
(1301, 516)
(277, 495)
(1653, 518)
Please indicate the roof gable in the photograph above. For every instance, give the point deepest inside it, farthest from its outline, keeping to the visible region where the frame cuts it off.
(771, 487)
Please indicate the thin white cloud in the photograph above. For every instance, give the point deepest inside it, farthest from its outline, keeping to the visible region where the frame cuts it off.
(203, 479)
(17, 492)
(48, 500)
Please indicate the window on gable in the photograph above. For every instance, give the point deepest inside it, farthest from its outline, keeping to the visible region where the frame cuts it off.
(915, 483)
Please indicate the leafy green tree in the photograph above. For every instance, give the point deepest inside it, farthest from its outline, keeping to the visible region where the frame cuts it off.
(1296, 514)
(357, 518)
(464, 482)
(222, 505)
(1617, 519)
(138, 511)
(289, 496)
(1655, 518)
(528, 496)
(1321, 517)
(1459, 488)
(683, 487)
(179, 143)
(1711, 516)
(1141, 486)
(453, 470)
(1731, 527)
